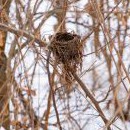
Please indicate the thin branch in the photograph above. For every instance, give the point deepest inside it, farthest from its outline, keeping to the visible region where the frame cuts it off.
(48, 110)
(20, 32)
(52, 91)
(90, 96)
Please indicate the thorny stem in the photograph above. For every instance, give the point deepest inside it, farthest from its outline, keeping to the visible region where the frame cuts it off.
(52, 91)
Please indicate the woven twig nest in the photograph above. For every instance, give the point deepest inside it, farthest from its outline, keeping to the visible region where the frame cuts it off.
(67, 50)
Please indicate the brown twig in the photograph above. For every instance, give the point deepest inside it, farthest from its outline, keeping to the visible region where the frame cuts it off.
(20, 32)
(89, 95)
(48, 111)
(52, 91)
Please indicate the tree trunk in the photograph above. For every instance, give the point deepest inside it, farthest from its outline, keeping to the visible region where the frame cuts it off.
(4, 96)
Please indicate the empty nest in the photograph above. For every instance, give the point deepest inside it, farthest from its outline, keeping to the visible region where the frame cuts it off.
(67, 50)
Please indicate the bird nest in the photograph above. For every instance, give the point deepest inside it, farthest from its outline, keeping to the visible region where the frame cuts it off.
(67, 50)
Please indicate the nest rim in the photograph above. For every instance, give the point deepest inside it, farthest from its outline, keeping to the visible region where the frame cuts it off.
(67, 47)
(65, 37)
